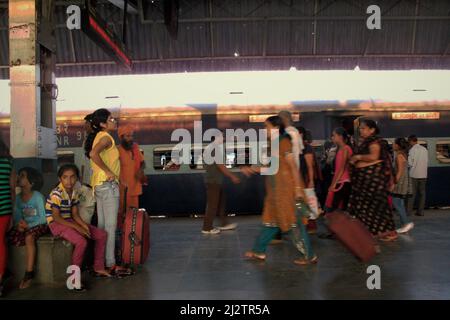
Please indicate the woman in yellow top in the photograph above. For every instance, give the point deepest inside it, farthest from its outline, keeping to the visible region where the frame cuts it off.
(101, 149)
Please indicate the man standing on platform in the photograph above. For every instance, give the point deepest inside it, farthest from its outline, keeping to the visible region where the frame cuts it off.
(418, 163)
(215, 193)
(131, 171)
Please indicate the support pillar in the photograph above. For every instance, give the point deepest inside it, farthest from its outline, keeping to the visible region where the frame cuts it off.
(32, 48)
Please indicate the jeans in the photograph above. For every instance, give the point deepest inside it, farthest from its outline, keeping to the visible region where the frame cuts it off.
(107, 197)
(419, 187)
(399, 205)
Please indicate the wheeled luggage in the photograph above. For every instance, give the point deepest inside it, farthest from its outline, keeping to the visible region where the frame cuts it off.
(135, 236)
(353, 234)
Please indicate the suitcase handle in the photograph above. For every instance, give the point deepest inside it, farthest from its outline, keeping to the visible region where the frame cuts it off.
(134, 239)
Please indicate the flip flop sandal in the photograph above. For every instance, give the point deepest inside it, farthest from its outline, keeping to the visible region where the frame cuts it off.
(123, 273)
(101, 275)
(304, 262)
(255, 256)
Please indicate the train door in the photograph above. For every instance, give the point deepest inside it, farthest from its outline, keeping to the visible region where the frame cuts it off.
(347, 122)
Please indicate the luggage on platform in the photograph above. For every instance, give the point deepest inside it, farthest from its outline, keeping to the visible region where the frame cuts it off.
(352, 234)
(135, 236)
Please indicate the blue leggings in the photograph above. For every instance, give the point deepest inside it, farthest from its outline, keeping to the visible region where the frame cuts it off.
(299, 237)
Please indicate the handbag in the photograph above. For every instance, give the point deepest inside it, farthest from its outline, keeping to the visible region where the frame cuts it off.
(313, 203)
(303, 210)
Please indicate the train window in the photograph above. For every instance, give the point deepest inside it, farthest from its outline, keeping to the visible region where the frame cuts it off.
(318, 149)
(196, 158)
(231, 159)
(65, 157)
(234, 155)
(423, 143)
(443, 151)
(162, 160)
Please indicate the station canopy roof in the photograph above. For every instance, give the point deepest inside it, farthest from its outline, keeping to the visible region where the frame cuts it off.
(247, 35)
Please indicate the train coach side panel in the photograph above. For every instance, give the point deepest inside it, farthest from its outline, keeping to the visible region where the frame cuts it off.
(185, 194)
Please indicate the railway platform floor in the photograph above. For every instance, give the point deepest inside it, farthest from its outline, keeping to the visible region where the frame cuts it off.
(185, 264)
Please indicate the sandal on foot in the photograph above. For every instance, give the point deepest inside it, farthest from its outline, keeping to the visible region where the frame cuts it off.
(121, 271)
(304, 262)
(389, 238)
(276, 241)
(101, 274)
(81, 289)
(255, 256)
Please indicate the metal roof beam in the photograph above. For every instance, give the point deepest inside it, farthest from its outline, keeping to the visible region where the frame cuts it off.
(316, 11)
(72, 46)
(447, 50)
(141, 10)
(79, 2)
(262, 4)
(413, 39)
(211, 28)
(93, 63)
(132, 8)
(265, 36)
(306, 18)
(336, 56)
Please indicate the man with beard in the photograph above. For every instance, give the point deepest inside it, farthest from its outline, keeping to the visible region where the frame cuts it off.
(131, 171)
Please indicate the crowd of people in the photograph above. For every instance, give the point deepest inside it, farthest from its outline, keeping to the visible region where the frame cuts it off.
(110, 183)
(363, 177)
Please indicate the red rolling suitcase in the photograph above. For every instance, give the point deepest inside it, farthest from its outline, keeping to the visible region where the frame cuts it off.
(353, 234)
(135, 237)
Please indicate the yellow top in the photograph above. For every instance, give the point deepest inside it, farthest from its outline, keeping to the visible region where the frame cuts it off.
(109, 156)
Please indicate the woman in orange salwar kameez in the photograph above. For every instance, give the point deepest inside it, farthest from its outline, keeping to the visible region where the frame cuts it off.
(283, 187)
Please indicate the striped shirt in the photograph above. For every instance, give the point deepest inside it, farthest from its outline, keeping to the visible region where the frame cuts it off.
(60, 199)
(6, 167)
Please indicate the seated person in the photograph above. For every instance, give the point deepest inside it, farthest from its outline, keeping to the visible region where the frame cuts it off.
(64, 221)
(28, 219)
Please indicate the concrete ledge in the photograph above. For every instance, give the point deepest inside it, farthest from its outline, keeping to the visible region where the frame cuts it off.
(52, 259)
